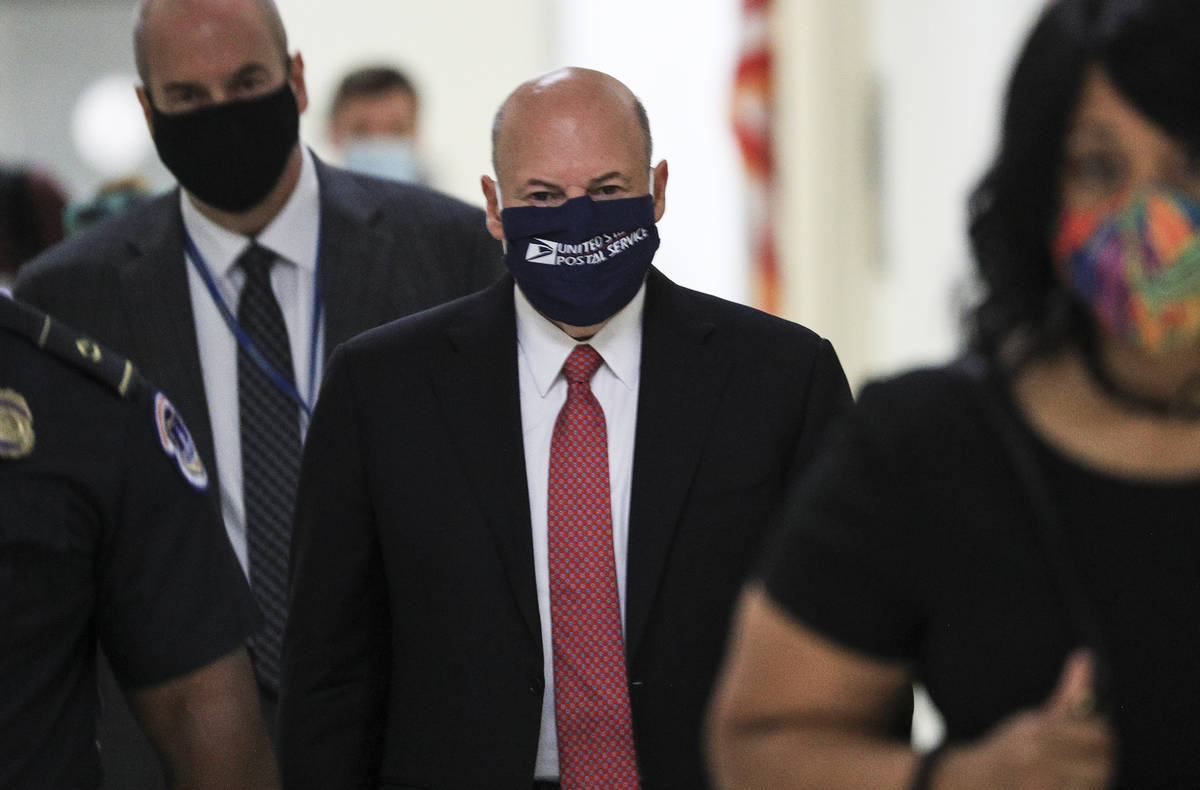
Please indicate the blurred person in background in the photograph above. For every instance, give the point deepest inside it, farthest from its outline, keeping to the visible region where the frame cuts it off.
(108, 537)
(373, 123)
(31, 217)
(1016, 531)
(230, 291)
(111, 198)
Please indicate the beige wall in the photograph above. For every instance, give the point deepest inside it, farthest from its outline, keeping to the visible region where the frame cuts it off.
(826, 215)
(942, 67)
(888, 113)
(465, 56)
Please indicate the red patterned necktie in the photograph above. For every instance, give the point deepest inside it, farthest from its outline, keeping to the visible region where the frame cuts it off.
(591, 691)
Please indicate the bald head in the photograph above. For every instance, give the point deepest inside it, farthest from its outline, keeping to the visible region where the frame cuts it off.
(148, 12)
(566, 92)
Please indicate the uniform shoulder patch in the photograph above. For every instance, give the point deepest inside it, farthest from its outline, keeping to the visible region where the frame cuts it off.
(16, 426)
(177, 442)
(71, 347)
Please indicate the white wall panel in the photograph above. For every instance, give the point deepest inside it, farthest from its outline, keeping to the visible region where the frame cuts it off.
(679, 59)
(464, 55)
(942, 67)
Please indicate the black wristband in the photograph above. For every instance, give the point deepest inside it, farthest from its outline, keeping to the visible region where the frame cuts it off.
(925, 766)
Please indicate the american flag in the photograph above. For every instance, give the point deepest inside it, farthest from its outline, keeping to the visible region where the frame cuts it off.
(753, 109)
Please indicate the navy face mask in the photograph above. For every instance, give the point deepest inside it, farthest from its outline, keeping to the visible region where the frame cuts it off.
(581, 262)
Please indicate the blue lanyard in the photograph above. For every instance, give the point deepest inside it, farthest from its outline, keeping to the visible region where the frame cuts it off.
(278, 379)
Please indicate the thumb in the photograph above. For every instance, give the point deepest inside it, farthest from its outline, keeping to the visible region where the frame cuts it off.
(1074, 695)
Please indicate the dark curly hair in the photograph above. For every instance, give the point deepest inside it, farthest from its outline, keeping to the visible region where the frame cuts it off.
(1149, 50)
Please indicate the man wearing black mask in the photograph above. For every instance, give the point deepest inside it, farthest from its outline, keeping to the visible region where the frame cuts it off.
(230, 291)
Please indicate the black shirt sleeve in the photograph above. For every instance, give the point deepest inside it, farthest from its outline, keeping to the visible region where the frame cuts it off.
(844, 558)
(171, 594)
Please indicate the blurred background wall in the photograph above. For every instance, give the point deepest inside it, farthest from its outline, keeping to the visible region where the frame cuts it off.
(885, 113)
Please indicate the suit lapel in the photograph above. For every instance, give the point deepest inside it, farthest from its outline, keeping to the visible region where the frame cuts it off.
(682, 378)
(351, 238)
(157, 300)
(479, 392)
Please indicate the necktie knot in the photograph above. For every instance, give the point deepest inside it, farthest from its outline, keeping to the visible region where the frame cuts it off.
(256, 262)
(582, 362)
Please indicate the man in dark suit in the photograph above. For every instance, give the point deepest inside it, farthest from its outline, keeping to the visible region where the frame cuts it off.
(514, 571)
(230, 290)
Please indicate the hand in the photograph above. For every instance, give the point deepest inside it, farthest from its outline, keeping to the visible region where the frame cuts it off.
(1064, 745)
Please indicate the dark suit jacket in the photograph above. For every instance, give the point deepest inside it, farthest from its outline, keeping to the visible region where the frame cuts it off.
(413, 654)
(386, 250)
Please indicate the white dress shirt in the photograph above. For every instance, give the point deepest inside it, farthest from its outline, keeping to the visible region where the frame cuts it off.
(542, 348)
(292, 236)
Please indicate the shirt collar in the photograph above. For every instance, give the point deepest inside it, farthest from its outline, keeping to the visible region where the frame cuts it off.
(546, 346)
(292, 234)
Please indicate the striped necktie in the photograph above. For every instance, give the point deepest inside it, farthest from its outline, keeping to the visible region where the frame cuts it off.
(270, 433)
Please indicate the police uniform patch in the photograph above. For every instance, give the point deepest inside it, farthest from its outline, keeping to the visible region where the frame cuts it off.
(177, 442)
(16, 426)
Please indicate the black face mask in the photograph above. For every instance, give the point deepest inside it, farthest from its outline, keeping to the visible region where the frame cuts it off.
(230, 155)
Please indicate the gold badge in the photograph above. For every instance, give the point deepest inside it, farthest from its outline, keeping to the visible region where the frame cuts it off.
(16, 425)
(87, 349)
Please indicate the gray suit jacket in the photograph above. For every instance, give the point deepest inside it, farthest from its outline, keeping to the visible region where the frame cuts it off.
(386, 250)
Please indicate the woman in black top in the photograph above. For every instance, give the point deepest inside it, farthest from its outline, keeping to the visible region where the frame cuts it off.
(1019, 531)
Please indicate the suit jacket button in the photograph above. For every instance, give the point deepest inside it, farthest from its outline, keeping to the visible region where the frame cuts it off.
(537, 685)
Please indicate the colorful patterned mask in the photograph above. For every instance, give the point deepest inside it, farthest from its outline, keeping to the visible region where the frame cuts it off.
(1136, 263)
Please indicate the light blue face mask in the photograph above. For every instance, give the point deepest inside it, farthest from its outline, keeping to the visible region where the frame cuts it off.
(385, 157)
